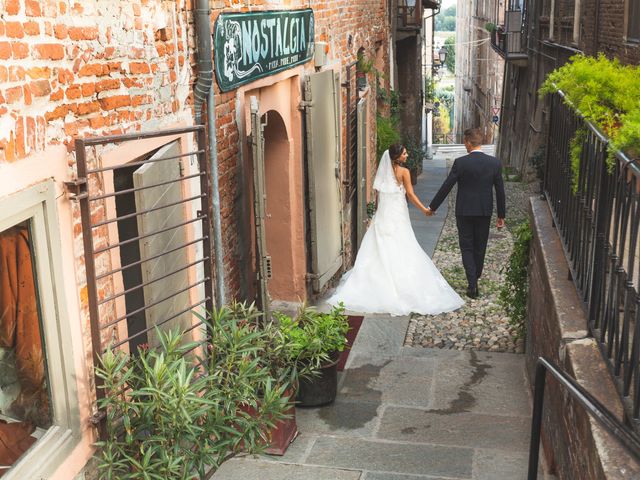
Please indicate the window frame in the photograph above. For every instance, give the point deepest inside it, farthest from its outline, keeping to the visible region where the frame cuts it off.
(37, 204)
(635, 38)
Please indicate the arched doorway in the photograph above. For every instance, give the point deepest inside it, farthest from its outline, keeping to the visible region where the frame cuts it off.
(279, 208)
(277, 186)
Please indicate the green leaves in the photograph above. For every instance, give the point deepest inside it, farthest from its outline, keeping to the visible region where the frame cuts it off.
(514, 292)
(178, 411)
(607, 94)
(386, 133)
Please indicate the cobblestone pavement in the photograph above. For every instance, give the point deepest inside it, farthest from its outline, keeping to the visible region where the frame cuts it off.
(481, 324)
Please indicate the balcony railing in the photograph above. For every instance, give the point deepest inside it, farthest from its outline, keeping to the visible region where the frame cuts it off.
(410, 15)
(509, 40)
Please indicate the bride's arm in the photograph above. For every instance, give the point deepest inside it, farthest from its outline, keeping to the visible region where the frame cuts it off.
(406, 181)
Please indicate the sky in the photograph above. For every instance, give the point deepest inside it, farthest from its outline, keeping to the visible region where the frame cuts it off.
(447, 3)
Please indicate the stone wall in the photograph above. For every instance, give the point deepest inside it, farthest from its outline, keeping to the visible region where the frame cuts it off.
(575, 445)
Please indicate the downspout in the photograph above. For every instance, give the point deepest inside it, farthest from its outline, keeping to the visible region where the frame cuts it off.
(596, 33)
(204, 91)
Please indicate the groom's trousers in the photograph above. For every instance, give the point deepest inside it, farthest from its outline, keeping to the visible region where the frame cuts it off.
(473, 234)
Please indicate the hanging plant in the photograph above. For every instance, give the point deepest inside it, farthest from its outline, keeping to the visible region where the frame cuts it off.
(607, 94)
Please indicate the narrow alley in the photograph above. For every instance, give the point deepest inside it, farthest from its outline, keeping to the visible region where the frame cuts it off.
(410, 413)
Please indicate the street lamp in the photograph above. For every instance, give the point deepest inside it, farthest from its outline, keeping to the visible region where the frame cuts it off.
(442, 57)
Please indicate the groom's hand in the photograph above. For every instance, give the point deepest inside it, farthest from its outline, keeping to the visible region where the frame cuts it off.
(500, 223)
(429, 212)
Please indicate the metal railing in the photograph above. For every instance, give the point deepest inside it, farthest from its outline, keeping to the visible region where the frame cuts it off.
(596, 208)
(592, 406)
(410, 16)
(509, 40)
(351, 164)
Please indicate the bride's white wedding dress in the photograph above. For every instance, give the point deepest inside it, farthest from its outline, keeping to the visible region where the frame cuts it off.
(392, 273)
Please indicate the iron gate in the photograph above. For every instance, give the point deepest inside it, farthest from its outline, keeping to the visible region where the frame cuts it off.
(146, 236)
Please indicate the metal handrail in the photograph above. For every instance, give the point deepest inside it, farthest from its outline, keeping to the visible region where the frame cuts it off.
(593, 407)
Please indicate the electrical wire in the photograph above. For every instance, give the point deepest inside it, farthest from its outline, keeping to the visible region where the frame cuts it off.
(476, 42)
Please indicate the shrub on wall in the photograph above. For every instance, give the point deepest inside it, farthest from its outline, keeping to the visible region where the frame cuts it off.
(514, 292)
(607, 94)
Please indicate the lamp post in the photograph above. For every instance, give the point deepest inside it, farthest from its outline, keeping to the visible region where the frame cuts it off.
(442, 57)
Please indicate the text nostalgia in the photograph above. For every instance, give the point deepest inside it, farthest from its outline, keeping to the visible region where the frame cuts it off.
(253, 45)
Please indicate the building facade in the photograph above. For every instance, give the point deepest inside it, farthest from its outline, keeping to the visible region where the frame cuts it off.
(541, 35)
(479, 69)
(121, 213)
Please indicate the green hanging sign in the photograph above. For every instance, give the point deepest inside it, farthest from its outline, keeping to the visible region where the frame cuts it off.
(253, 45)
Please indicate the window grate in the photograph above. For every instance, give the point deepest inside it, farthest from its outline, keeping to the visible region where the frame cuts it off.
(146, 237)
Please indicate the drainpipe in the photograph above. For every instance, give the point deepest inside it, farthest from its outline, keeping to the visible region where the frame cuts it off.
(203, 91)
(596, 33)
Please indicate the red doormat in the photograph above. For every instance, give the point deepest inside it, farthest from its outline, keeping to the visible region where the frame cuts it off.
(354, 325)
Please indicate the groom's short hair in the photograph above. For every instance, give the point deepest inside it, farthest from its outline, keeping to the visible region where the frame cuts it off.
(473, 136)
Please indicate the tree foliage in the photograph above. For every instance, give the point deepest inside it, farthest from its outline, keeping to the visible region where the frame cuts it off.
(450, 47)
(446, 20)
(607, 94)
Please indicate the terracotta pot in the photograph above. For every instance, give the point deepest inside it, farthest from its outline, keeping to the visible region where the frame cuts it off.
(283, 433)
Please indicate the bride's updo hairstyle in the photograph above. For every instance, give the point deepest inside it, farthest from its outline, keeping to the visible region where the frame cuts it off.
(395, 151)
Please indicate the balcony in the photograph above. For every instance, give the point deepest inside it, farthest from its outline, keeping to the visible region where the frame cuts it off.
(509, 40)
(410, 13)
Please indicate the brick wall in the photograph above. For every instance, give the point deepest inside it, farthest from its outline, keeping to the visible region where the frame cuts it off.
(70, 69)
(346, 27)
(90, 68)
(611, 31)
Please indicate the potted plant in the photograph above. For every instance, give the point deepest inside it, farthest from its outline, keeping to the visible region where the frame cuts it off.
(490, 27)
(363, 67)
(429, 93)
(386, 134)
(176, 411)
(318, 339)
(415, 155)
(272, 351)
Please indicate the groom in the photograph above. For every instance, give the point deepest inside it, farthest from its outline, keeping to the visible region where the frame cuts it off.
(476, 174)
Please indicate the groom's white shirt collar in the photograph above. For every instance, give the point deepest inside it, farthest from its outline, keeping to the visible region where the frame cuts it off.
(477, 150)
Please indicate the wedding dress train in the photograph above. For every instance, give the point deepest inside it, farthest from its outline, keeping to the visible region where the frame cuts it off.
(392, 274)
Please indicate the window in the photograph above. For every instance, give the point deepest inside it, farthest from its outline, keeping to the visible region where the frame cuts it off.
(633, 21)
(37, 422)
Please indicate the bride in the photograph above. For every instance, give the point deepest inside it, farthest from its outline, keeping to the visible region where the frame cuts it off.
(392, 273)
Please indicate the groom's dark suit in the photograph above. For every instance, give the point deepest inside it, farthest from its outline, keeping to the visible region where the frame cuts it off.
(476, 174)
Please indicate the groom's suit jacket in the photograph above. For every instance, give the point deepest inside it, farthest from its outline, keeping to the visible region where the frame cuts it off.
(477, 174)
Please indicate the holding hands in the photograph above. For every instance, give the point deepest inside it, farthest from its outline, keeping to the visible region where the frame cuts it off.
(428, 212)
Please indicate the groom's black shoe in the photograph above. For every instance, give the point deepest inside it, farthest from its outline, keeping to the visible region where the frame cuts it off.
(472, 292)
